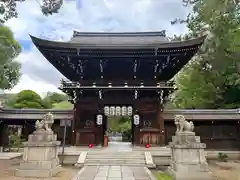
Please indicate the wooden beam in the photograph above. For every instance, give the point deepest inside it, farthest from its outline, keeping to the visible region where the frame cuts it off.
(118, 82)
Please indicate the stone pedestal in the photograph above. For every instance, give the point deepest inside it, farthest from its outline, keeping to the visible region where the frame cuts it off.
(40, 158)
(188, 158)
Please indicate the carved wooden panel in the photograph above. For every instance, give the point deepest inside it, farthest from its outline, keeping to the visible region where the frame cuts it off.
(85, 138)
(85, 120)
(147, 123)
(153, 138)
(148, 120)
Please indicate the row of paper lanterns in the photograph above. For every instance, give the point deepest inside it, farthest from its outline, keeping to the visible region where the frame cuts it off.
(118, 111)
(136, 119)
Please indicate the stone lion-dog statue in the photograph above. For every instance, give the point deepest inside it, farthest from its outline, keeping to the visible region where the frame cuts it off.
(45, 123)
(182, 124)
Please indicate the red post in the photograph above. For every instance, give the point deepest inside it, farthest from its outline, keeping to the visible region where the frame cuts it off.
(105, 144)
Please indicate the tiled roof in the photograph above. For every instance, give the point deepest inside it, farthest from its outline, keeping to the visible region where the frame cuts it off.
(119, 38)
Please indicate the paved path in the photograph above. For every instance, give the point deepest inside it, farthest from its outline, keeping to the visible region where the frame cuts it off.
(120, 146)
(113, 173)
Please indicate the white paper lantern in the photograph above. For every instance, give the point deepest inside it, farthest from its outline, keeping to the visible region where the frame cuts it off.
(136, 119)
(112, 111)
(106, 111)
(99, 119)
(124, 111)
(118, 111)
(129, 110)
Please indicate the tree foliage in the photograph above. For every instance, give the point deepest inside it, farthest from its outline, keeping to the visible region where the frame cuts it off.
(212, 78)
(8, 7)
(119, 123)
(28, 99)
(53, 97)
(9, 49)
(63, 105)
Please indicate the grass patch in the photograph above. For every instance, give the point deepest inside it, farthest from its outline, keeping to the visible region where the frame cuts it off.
(162, 176)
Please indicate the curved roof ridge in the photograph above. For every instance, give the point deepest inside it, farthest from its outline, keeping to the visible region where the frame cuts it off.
(90, 43)
(114, 34)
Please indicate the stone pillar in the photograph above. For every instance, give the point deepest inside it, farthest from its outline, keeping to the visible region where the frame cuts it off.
(188, 160)
(40, 157)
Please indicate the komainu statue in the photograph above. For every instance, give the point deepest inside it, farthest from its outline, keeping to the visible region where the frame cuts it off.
(45, 123)
(182, 124)
(39, 124)
(48, 121)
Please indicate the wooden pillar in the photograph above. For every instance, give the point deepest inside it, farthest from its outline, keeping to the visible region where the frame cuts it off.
(73, 138)
(103, 126)
(133, 130)
(160, 120)
(136, 128)
(103, 129)
(1, 132)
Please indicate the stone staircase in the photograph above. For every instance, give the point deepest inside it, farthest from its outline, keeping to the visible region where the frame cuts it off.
(98, 158)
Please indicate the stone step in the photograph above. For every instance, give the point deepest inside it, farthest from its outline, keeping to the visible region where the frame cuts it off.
(117, 164)
(113, 157)
(116, 160)
(116, 153)
(110, 153)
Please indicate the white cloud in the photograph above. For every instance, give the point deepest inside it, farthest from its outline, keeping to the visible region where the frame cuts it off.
(87, 15)
(35, 66)
(40, 87)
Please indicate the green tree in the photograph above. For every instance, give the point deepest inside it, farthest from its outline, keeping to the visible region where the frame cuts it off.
(8, 8)
(212, 79)
(28, 99)
(9, 49)
(53, 97)
(63, 105)
(10, 100)
(125, 127)
(195, 88)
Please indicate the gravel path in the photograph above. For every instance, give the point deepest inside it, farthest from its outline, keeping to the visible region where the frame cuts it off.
(7, 173)
(225, 170)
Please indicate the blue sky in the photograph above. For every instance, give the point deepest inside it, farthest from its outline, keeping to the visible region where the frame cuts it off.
(84, 15)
